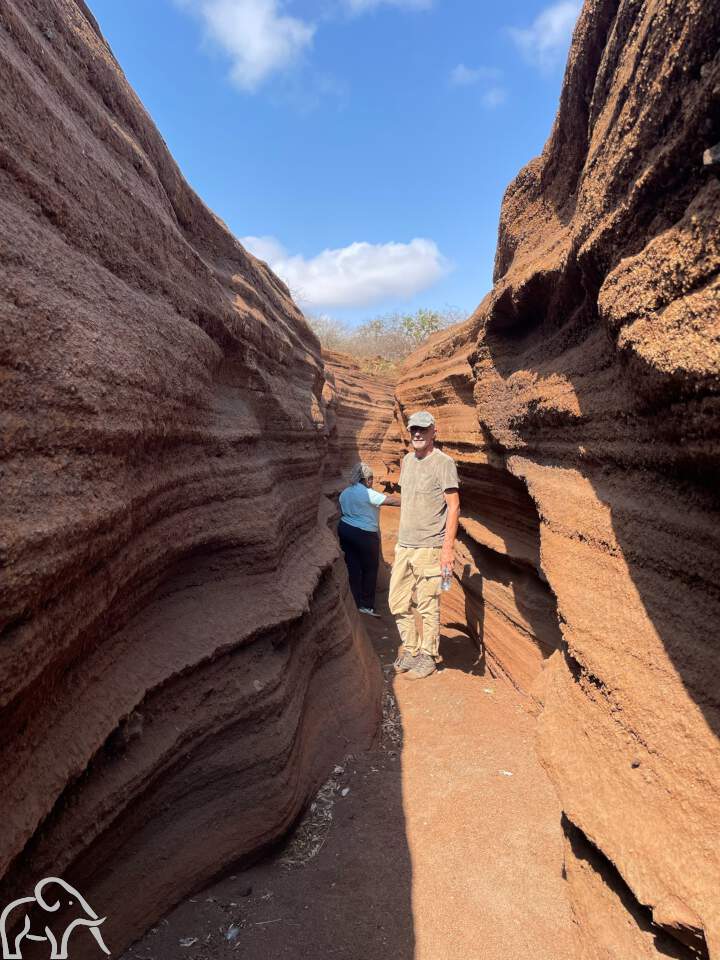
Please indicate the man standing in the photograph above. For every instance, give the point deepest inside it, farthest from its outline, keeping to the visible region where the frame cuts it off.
(429, 511)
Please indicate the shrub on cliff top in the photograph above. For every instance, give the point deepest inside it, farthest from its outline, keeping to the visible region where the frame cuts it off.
(382, 342)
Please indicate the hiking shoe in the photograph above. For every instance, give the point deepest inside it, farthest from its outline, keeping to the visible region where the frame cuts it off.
(424, 666)
(369, 611)
(406, 661)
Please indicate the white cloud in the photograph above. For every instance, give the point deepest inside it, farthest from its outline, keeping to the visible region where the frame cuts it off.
(361, 6)
(256, 35)
(356, 275)
(261, 39)
(462, 76)
(545, 42)
(494, 93)
(494, 96)
(265, 248)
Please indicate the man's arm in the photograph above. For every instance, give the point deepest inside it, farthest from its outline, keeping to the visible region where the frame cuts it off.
(391, 500)
(447, 553)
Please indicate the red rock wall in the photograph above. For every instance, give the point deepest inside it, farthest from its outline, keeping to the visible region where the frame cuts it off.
(362, 418)
(582, 403)
(179, 662)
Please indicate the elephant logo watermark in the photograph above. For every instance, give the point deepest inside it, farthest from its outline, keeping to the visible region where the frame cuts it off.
(30, 918)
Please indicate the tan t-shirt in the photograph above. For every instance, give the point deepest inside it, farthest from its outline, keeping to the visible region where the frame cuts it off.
(422, 506)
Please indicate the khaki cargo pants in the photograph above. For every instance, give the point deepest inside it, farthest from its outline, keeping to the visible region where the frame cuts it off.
(415, 585)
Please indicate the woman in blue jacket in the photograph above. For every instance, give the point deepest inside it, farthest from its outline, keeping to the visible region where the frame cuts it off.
(359, 533)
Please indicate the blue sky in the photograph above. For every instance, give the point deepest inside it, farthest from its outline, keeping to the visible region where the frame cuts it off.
(362, 147)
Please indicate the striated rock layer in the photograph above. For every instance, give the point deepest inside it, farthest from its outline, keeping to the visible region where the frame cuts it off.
(362, 417)
(179, 661)
(582, 403)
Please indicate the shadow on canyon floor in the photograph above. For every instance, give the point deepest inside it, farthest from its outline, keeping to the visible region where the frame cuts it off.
(338, 887)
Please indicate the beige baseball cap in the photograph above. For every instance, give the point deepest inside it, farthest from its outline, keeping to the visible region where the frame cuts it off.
(421, 419)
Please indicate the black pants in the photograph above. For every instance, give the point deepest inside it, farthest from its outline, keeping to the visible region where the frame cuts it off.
(362, 555)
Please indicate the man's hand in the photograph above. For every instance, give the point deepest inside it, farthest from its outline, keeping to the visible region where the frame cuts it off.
(447, 553)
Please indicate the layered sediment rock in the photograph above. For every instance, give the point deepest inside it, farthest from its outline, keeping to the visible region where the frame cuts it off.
(362, 418)
(179, 664)
(594, 367)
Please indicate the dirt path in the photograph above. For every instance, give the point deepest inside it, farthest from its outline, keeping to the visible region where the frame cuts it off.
(441, 844)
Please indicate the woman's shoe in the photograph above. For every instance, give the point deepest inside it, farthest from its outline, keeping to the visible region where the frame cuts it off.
(370, 612)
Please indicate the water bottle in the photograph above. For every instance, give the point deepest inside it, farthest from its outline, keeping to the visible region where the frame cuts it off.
(446, 578)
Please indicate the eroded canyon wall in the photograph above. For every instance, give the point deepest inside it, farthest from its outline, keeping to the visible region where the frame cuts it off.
(362, 419)
(582, 401)
(179, 664)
